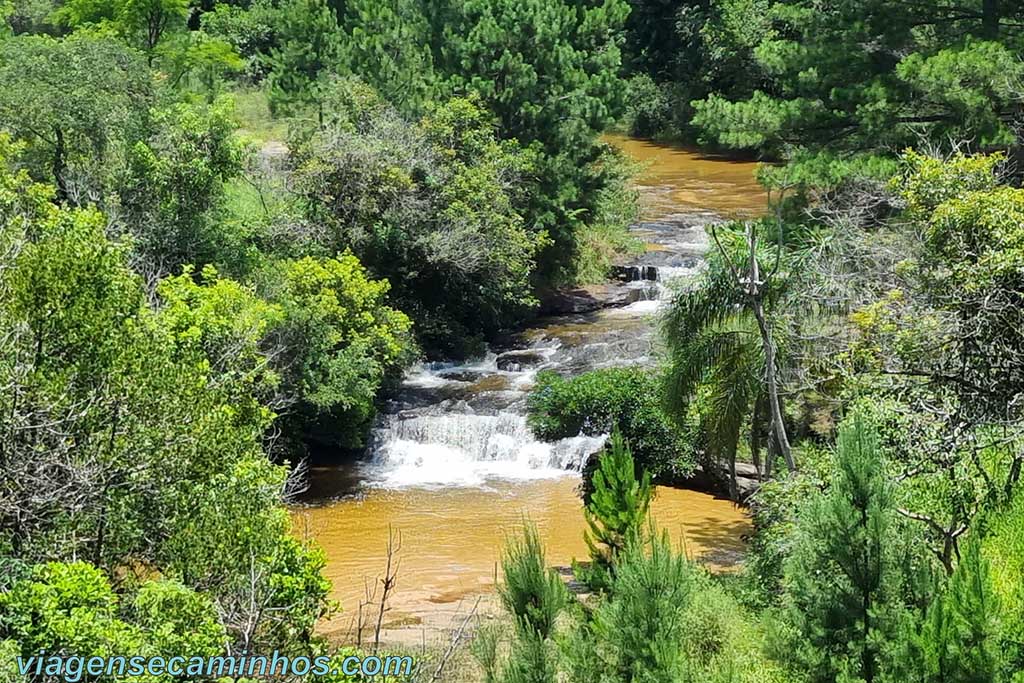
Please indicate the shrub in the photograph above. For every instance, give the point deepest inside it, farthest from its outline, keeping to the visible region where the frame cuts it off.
(601, 401)
(649, 112)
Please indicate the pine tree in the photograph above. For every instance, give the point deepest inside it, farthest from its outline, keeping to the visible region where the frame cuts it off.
(532, 592)
(532, 660)
(534, 595)
(618, 507)
(638, 629)
(958, 637)
(550, 71)
(388, 46)
(843, 580)
(309, 48)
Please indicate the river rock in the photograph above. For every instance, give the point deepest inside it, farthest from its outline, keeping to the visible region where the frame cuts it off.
(587, 299)
(516, 361)
(456, 375)
(635, 273)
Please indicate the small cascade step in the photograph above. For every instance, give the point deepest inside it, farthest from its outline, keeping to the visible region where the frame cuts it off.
(638, 273)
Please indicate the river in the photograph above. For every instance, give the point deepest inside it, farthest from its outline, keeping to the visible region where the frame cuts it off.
(452, 466)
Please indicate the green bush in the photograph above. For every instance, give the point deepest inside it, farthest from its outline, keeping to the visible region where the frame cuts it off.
(649, 108)
(601, 401)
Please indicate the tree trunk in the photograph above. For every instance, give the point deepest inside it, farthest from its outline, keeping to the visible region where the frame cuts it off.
(755, 441)
(734, 488)
(778, 426)
(990, 15)
(59, 166)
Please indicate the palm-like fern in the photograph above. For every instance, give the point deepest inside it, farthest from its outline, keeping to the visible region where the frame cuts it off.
(715, 351)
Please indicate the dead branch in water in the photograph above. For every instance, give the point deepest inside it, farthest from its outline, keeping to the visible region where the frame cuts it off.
(389, 580)
(454, 644)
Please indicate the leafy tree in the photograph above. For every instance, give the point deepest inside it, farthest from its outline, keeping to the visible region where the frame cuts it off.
(652, 35)
(145, 438)
(27, 16)
(6, 10)
(268, 584)
(251, 30)
(680, 51)
(230, 324)
(78, 103)
(550, 73)
(430, 206)
(203, 60)
(724, 344)
(946, 332)
(618, 507)
(149, 20)
(339, 343)
(715, 353)
(71, 607)
(143, 23)
(173, 188)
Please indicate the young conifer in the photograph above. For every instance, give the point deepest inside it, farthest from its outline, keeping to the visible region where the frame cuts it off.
(618, 508)
(844, 576)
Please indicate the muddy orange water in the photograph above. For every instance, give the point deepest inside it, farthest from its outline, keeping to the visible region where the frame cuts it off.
(451, 539)
(678, 180)
(455, 468)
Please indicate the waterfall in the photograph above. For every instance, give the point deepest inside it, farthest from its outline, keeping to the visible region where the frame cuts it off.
(467, 449)
(464, 424)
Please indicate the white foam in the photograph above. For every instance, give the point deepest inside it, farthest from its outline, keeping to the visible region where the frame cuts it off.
(455, 449)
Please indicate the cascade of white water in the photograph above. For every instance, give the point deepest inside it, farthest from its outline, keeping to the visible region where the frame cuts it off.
(465, 424)
(468, 449)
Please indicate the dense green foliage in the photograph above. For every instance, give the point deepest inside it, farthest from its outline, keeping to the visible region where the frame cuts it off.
(774, 75)
(602, 401)
(79, 104)
(227, 228)
(135, 445)
(874, 75)
(552, 88)
(431, 206)
(894, 304)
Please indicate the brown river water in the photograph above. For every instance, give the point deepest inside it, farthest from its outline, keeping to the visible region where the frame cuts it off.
(452, 467)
